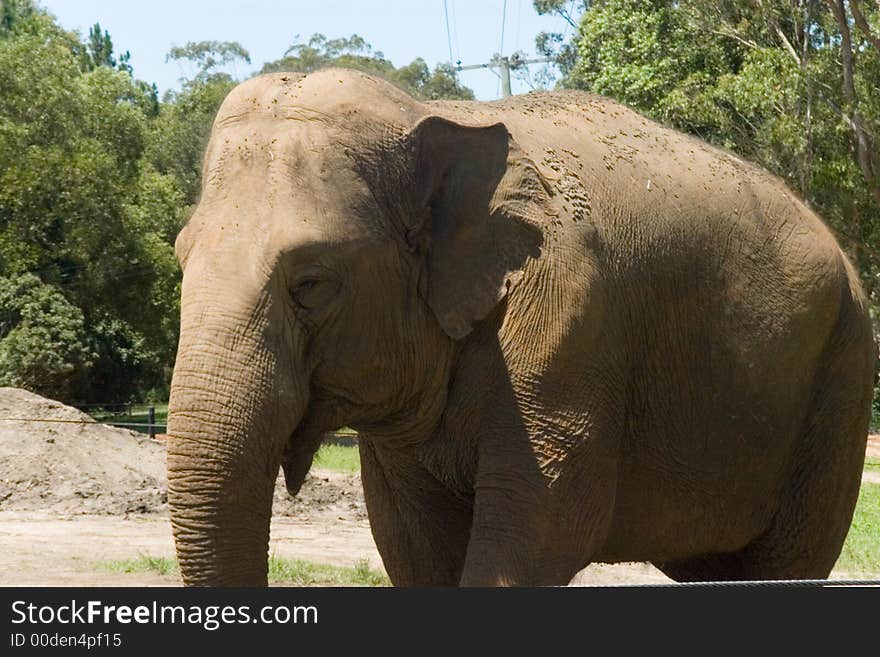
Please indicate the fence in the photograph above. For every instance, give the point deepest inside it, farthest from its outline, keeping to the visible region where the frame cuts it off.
(151, 426)
(123, 407)
(343, 437)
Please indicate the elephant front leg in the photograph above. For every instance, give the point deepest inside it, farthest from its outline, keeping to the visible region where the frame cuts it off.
(420, 528)
(510, 543)
(530, 530)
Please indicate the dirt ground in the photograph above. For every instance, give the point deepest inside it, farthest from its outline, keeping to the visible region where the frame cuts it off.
(75, 494)
(326, 524)
(46, 549)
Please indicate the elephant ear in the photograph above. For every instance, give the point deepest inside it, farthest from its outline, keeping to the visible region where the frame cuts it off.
(474, 241)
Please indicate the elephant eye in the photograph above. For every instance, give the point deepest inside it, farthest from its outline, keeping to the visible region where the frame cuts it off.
(311, 293)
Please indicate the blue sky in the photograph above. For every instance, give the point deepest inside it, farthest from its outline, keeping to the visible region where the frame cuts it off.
(401, 29)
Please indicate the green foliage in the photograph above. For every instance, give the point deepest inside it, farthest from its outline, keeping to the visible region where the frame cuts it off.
(640, 52)
(320, 52)
(553, 44)
(145, 563)
(338, 457)
(208, 56)
(123, 365)
(82, 210)
(353, 52)
(875, 413)
(291, 572)
(14, 12)
(98, 51)
(861, 551)
(43, 343)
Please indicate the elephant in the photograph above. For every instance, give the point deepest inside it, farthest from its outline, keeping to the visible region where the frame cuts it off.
(564, 333)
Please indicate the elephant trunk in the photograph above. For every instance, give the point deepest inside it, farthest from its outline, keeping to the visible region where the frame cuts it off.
(231, 413)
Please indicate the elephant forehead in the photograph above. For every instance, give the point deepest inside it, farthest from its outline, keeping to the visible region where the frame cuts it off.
(339, 96)
(296, 185)
(258, 237)
(267, 165)
(259, 142)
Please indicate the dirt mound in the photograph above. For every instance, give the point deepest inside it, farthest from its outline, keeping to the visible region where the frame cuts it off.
(325, 495)
(74, 465)
(55, 458)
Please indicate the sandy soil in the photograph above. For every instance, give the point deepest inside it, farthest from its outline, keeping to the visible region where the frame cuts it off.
(55, 458)
(44, 550)
(327, 524)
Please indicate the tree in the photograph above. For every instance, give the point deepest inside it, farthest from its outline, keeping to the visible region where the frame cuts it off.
(43, 343)
(552, 44)
(423, 83)
(320, 52)
(208, 56)
(99, 52)
(13, 12)
(84, 213)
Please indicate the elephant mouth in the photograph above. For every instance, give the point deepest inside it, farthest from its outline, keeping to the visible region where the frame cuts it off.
(299, 453)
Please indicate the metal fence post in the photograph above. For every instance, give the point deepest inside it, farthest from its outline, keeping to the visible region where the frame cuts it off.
(151, 418)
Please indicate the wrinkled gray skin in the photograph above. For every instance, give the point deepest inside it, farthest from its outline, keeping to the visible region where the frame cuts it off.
(566, 334)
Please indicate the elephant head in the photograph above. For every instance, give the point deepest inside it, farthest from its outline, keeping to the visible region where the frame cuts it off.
(345, 243)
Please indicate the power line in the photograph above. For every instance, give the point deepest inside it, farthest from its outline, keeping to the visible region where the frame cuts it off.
(68, 272)
(503, 21)
(340, 433)
(568, 23)
(89, 422)
(455, 32)
(518, 16)
(448, 33)
(505, 64)
(505, 91)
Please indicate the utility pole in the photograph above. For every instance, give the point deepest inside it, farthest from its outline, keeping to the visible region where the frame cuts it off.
(505, 64)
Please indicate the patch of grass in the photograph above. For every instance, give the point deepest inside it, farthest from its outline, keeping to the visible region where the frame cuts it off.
(143, 564)
(305, 573)
(861, 551)
(872, 464)
(294, 572)
(338, 457)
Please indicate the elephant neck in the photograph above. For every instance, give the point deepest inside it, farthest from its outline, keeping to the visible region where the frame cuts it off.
(440, 431)
(417, 416)
(475, 391)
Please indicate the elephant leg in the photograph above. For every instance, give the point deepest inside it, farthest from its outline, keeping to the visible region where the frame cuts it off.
(420, 527)
(803, 541)
(805, 536)
(528, 531)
